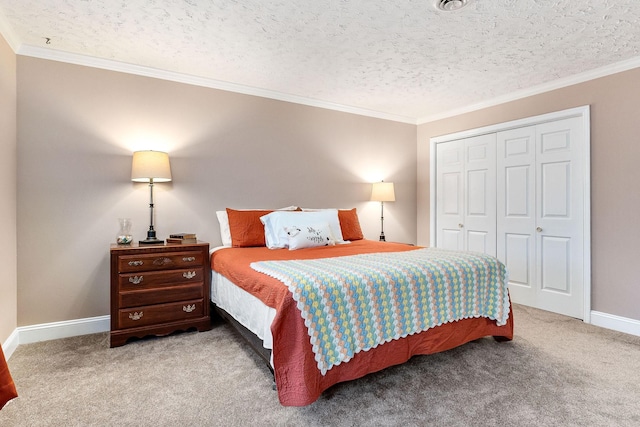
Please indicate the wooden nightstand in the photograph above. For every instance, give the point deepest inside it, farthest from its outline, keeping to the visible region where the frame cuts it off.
(158, 289)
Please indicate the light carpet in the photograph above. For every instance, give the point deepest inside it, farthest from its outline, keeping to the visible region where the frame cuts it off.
(556, 372)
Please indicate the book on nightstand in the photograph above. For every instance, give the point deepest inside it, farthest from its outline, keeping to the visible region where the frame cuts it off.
(182, 238)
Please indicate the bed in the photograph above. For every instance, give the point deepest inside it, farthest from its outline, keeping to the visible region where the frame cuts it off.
(259, 288)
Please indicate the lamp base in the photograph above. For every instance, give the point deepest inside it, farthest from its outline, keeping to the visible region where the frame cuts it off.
(382, 238)
(151, 238)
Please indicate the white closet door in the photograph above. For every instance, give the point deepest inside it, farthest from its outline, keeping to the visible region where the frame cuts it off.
(539, 209)
(480, 194)
(560, 217)
(540, 214)
(465, 194)
(450, 186)
(516, 212)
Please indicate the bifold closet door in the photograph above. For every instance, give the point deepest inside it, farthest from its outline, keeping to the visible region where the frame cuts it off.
(516, 213)
(466, 194)
(540, 214)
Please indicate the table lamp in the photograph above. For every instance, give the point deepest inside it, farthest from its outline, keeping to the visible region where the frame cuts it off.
(382, 192)
(150, 166)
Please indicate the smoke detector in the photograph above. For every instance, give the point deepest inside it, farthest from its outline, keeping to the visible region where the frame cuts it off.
(451, 5)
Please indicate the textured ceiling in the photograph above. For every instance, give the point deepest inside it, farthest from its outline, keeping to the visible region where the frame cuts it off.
(401, 58)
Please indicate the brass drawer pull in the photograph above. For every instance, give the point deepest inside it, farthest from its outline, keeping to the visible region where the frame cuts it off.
(189, 274)
(188, 308)
(136, 280)
(135, 263)
(135, 315)
(189, 258)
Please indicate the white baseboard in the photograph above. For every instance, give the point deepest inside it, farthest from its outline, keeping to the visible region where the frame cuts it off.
(64, 329)
(54, 331)
(94, 325)
(617, 323)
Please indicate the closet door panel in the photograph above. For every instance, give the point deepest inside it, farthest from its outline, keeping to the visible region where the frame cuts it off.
(555, 265)
(480, 192)
(451, 238)
(518, 256)
(451, 199)
(518, 197)
(477, 189)
(449, 195)
(560, 217)
(555, 196)
(516, 214)
(479, 241)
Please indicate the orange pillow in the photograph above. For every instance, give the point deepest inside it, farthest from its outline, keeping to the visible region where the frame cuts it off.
(350, 225)
(246, 228)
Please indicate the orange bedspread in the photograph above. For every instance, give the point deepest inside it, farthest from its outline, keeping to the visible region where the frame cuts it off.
(7, 387)
(298, 380)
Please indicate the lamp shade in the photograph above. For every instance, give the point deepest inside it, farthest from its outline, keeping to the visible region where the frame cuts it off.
(383, 192)
(149, 165)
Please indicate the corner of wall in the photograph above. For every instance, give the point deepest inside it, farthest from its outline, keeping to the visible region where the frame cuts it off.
(8, 192)
(10, 345)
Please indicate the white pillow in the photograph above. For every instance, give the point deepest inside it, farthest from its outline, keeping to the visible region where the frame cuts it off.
(309, 236)
(225, 233)
(223, 220)
(276, 236)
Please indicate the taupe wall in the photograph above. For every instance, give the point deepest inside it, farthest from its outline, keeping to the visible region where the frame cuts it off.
(8, 251)
(77, 128)
(615, 177)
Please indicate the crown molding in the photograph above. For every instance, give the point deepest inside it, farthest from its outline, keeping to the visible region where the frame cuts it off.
(608, 70)
(111, 65)
(7, 32)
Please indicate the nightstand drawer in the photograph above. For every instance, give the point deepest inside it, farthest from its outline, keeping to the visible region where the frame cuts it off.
(154, 279)
(160, 261)
(160, 313)
(155, 296)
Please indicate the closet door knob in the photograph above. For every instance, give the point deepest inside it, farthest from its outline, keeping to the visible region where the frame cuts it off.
(539, 229)
(461, 225)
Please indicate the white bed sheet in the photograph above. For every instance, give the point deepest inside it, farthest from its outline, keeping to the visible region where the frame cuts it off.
(252, 313)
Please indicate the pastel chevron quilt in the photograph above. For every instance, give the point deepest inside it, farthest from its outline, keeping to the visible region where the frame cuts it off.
(354, 303)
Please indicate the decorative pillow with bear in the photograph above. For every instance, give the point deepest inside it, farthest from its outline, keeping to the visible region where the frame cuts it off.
(349, 223)
(274, 225)
(309, 236)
